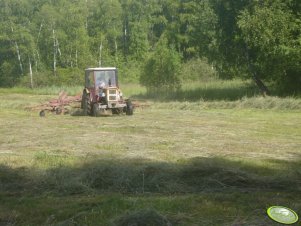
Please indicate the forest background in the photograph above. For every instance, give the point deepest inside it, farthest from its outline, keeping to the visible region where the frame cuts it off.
(157, 43)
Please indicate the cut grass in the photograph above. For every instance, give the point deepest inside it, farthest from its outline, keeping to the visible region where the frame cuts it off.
(222, 208)
(259, 102)
(178, 162)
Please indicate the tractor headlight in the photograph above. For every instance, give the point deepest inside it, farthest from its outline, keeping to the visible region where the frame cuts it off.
(103, 94)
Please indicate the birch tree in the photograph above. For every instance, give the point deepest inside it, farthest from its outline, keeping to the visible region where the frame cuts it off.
(106, 23)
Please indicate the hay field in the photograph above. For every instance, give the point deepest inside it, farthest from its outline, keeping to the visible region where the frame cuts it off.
(176, 162)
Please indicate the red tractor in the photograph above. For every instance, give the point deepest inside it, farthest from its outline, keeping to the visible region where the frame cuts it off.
(102, 95)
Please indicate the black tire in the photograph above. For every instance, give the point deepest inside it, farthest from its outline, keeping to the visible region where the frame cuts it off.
(42, 113)
(129, 108)
(58, 111)
(95, 111)
(86, 105)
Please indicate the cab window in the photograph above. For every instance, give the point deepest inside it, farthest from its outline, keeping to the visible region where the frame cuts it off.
(105, 78)
(89, 79)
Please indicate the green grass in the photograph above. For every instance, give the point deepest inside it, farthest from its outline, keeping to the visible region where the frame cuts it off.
(51, 90)
(208, 91)
(128, 90)
(198, 162)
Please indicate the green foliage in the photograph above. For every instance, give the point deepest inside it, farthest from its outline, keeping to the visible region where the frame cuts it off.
(272, 32)
(64, 77)
(239, 38)
(161, 69)
(139, 45)
(129, 72)
(198, 70)
(7, 70)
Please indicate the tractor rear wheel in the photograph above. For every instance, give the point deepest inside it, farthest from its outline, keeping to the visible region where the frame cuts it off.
(129, 108)
(86, 105)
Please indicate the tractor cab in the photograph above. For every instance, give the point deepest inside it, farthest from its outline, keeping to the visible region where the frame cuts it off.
(102, 94)
(101, 77)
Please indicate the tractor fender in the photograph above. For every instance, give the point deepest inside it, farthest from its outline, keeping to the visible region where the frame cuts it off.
(86, 90)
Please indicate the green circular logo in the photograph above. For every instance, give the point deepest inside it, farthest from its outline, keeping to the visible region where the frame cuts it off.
(282, 215)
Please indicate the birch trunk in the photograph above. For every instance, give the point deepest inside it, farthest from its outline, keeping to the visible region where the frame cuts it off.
(54, 52)
(87, 15)
(30, 74)
(37, 60)
(262, 87)
(76, 56)
(58, 47)
(19, 57)
(100, 52)
(18, 53)
(70, 57)
(116, 49)
(125, 40)
(116, 45)
(71, 62)
(39, 32)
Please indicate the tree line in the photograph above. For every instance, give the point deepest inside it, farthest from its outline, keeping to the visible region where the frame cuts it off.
(44, 41)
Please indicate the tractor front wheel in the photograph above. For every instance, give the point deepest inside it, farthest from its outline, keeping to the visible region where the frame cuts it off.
(95, 110)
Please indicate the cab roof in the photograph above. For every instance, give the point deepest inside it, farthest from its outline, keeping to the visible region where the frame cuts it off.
(101, 69)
